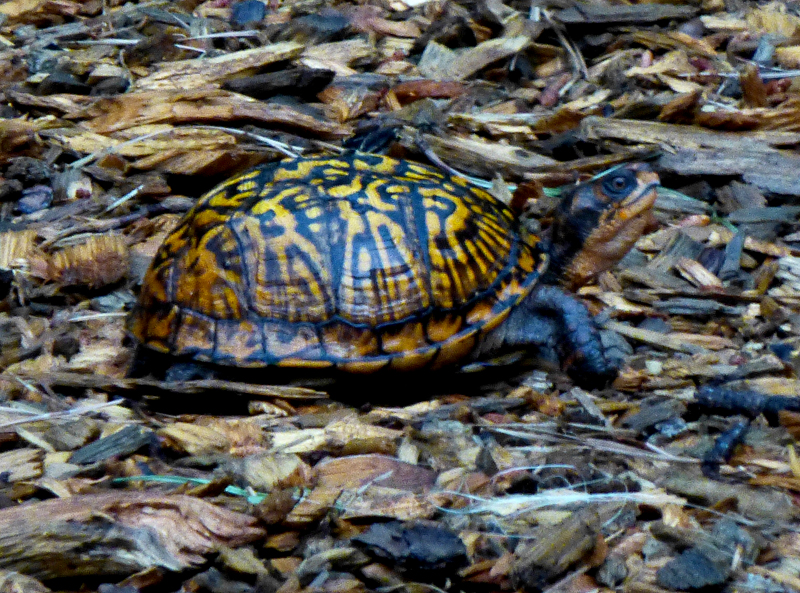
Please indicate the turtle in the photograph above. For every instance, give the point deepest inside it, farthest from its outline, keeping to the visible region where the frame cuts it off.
(362, 263)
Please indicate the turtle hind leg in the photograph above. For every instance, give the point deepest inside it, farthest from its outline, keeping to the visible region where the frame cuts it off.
(146, 363)
(550, 319)
(162, 367)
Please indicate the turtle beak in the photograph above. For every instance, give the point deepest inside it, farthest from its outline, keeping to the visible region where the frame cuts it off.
(643, 198)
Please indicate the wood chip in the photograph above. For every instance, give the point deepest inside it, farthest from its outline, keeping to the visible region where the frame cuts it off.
(184, 75)
(173, 532)
(440, 63)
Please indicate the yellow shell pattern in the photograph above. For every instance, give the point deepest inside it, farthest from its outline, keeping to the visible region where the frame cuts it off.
(359, 261)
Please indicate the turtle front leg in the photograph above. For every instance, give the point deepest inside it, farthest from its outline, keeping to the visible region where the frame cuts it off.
(551, 319)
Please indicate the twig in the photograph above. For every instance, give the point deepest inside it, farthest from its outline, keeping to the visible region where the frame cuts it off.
(53, 415)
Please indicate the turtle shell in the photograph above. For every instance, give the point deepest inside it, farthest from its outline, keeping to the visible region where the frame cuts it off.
(359, 261)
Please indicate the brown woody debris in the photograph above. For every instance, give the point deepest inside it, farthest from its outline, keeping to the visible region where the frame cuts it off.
(69, 537)
(101, 260)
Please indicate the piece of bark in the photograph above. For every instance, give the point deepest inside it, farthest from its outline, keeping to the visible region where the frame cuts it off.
(194, 439)
(415, 545)
(272, 471)
(698, 151)
(754, 91)
(97, 262)
(654, 338)
(300, 82)
(751, 501)
(486, 159)
(182, 75)
(71, 379)
(21, 464)
(346, 436)
(552, 549)
(366, 19)
(117, 533)
(602, 12)
(442, 63)
(119, 444)
(378, 501)
(197, 106)
(697, 274)
(14, 582)
(63, 103)
(312, 507)
(651, 413)
(339, 559)
(413, 90)
(769, 169)
(356, 471)
(709, 557)
(596, 128)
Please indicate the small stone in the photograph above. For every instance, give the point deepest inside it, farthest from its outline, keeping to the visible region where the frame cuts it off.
(35, 198)
(247, 12)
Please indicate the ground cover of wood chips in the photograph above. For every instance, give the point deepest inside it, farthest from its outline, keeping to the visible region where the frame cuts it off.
(682, 475)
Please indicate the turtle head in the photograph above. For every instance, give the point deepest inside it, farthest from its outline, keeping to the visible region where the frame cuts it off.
(598, 222)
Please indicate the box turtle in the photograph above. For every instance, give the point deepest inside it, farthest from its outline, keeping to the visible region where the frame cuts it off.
(363, 262)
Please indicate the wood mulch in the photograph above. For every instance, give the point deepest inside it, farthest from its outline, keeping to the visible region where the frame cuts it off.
(116, 115)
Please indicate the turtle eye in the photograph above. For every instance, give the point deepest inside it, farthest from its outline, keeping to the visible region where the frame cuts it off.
(619, 184)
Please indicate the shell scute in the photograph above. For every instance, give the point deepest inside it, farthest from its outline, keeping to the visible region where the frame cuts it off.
(196, 334)
(342, 341)
(290, 340)
(238, 342)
